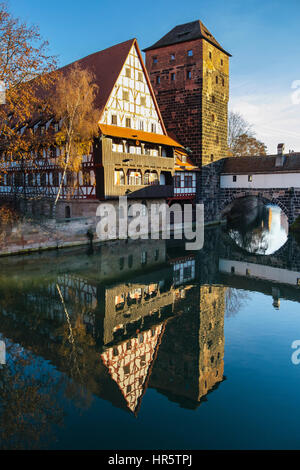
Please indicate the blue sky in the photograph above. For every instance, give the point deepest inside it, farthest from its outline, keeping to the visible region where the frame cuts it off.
(263, 37)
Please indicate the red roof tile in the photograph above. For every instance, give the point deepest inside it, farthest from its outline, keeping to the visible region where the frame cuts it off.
(252, 165)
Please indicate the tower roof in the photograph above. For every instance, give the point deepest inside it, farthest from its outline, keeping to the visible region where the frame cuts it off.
(187, 32)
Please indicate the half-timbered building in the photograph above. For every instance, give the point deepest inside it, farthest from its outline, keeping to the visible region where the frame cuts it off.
(133, 151)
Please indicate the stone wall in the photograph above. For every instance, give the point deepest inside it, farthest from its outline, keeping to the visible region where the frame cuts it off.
(193, 107)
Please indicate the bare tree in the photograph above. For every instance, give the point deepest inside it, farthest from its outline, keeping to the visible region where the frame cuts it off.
(237, 126)
(241, 137)
(73, 105)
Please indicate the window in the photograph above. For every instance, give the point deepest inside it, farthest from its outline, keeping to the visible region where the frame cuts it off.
(188, 181)
(119, 177)
(222, 62)
(188, 75)
(158, 80)
(177, 181)
(128, 122)
(128, 72)
(217, 79)
(223, 82)
(234, 178)
(143, 100)
(153, 128)
(212, 158)
(140, 76)
(134, 178)
(213, 99)
(210, 55)
(114, 119)
(141, 125)
(250, 178)
(212, 118)
(144, 257)
(125, 95)
(232, 269)
(55, 179)
(173, 77)
(154, 60)
(217, 139)
(43, 179)
(67, 212)
(172, 56)
(190, 53)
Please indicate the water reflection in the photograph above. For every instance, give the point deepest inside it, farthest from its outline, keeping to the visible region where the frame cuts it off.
(262, 229)
(131, 317)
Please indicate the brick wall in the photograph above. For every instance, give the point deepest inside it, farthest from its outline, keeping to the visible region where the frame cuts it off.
(194, 107)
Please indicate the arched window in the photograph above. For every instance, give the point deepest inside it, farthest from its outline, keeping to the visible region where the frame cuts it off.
(150, 177)
(119, 177)
(134, 177)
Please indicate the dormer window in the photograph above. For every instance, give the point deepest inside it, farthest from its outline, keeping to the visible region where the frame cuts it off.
(190, 53)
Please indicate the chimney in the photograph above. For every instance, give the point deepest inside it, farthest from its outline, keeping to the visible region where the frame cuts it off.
(280, 149)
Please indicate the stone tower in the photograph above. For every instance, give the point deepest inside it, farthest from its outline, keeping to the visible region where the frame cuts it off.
(189, 72)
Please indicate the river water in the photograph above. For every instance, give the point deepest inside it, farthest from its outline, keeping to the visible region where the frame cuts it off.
(143, 345)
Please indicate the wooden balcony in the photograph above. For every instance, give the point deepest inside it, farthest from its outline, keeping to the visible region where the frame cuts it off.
(141, 162)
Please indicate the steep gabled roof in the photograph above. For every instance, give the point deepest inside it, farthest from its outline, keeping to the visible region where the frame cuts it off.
(187, 32)
(106, 65)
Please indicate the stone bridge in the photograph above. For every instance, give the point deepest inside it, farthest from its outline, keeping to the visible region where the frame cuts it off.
(273, 180)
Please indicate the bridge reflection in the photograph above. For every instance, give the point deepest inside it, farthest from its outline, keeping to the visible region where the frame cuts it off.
(137, 315)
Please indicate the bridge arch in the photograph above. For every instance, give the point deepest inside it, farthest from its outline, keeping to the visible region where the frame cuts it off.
(267, 199)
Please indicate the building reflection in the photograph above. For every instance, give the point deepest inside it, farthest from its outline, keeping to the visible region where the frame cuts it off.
(116, 338)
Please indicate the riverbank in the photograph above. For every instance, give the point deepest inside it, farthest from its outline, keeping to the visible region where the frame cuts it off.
(34, 237)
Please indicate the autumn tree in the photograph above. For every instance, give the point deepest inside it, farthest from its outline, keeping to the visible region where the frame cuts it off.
(246, 145)
(73, 105)
(24, 70)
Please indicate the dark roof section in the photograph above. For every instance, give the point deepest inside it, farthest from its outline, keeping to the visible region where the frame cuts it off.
(106, 66)
(187, 32)
(251, 165)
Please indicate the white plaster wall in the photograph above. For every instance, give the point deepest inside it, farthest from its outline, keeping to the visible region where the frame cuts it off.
(259, 271)
(262, 181)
